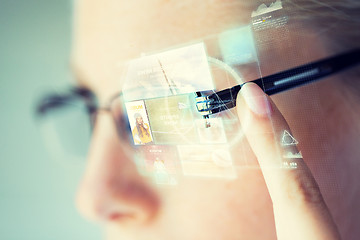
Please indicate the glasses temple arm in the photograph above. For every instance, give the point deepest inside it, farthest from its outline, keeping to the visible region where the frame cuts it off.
(279, 82)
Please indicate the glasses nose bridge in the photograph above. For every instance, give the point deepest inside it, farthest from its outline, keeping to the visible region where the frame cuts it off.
(119, 119)
(95, 111)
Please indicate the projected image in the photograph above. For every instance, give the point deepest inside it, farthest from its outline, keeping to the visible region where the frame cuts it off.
(139, 123)
(263, 9)
(206, 161)
(213, 134)
(176, 71)
(161, 163)
(237, 46)
(172, 120)
(290, 152)
(271, 31)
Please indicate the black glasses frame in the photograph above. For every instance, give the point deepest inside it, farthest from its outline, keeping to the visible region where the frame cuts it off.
(210, 102)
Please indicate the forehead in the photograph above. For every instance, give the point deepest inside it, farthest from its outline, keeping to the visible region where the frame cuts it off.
(110, 32)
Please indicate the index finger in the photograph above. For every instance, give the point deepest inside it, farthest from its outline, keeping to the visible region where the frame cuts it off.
(299, 208)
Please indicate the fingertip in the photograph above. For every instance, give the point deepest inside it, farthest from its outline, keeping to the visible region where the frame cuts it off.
(256, 100)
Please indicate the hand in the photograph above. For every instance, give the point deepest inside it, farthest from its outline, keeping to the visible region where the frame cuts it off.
(299, 208)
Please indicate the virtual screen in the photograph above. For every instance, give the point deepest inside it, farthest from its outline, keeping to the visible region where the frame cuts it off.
(172, 120)
(158, 111)
(159, 89)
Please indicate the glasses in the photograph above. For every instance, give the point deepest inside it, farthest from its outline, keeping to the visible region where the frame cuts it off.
(163, 122)
(68, 118)
(278, 82)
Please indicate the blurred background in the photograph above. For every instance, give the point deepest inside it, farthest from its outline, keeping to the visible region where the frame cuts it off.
(36, 192)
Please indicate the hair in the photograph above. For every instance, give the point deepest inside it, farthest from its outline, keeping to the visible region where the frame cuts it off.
(337, 24)
(336, 21)
(140, 128)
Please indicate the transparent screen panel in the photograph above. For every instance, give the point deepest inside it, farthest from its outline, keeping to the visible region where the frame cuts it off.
(159, 95)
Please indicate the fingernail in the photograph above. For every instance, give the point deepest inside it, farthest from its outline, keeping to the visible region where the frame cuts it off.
(256, 99)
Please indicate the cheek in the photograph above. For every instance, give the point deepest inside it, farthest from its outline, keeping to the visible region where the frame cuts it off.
(224, 208)
(207, 209)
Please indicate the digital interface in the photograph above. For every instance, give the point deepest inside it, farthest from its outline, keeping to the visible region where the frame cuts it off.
(161, 163)
(207, 160)
(177, 71)
(172, 120)
(173, 139)
(139, 122)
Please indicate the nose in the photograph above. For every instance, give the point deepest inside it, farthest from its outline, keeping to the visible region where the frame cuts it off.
(111, 189)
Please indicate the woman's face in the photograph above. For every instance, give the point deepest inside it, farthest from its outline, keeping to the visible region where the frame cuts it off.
(112, 190)
(139, 120)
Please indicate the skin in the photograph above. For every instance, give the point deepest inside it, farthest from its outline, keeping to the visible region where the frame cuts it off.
(260, 203)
